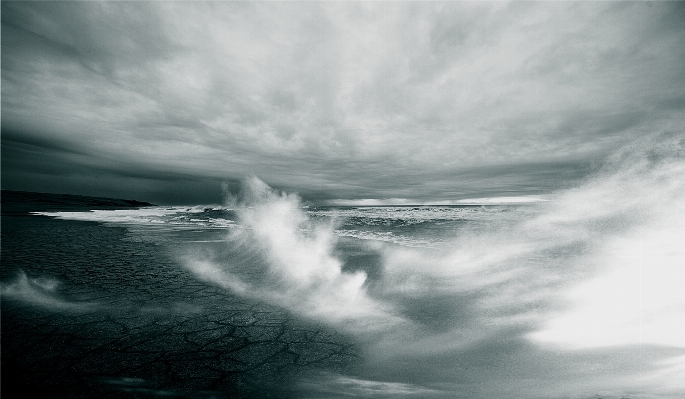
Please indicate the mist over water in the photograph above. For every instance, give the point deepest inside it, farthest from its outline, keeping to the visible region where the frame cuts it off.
(281, 256)
(42, 292)
(577, 296)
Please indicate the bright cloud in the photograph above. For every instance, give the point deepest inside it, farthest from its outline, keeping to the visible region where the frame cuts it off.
(351, 100)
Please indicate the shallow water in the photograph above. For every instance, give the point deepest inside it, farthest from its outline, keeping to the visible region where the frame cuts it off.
(100, 311)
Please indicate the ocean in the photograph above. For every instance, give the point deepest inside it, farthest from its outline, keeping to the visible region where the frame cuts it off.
(267, 296)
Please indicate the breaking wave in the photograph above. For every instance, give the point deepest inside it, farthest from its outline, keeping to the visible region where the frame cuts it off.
(283, 257)
(175, 217)
(575, 283)
(569, 297)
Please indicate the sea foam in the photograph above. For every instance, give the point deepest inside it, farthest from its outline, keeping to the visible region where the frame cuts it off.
(534, 300)
(288, 260)
(42, 292)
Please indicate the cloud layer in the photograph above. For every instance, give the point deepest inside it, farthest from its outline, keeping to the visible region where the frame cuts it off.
(351, 100)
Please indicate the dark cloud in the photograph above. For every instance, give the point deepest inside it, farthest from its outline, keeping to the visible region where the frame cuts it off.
(50, 164)
(354, 100)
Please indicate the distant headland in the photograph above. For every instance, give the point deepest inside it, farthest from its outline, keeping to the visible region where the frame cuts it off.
(23, 202)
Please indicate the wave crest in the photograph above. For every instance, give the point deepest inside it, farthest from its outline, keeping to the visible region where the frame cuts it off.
(282, 257)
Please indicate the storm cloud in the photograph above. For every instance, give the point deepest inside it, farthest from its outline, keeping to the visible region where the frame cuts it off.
(422, 101)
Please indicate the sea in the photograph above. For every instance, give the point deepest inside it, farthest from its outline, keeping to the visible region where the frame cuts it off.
(578, 295)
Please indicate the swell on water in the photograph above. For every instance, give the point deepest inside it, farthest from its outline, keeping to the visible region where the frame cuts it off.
(571, 297)
(589, 280)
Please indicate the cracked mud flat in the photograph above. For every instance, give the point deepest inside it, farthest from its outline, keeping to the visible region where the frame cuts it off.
(100, 312)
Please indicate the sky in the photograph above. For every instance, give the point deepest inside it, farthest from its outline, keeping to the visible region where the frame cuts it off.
(407, 102)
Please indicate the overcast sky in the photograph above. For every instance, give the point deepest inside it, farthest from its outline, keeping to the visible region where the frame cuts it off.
(164, 101)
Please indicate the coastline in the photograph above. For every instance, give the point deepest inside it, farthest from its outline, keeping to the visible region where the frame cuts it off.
(21, 203)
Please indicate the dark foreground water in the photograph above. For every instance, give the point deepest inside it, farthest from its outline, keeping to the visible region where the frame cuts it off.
(98, 313)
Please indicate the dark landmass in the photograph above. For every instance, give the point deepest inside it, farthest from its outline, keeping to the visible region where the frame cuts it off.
(16, 203)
